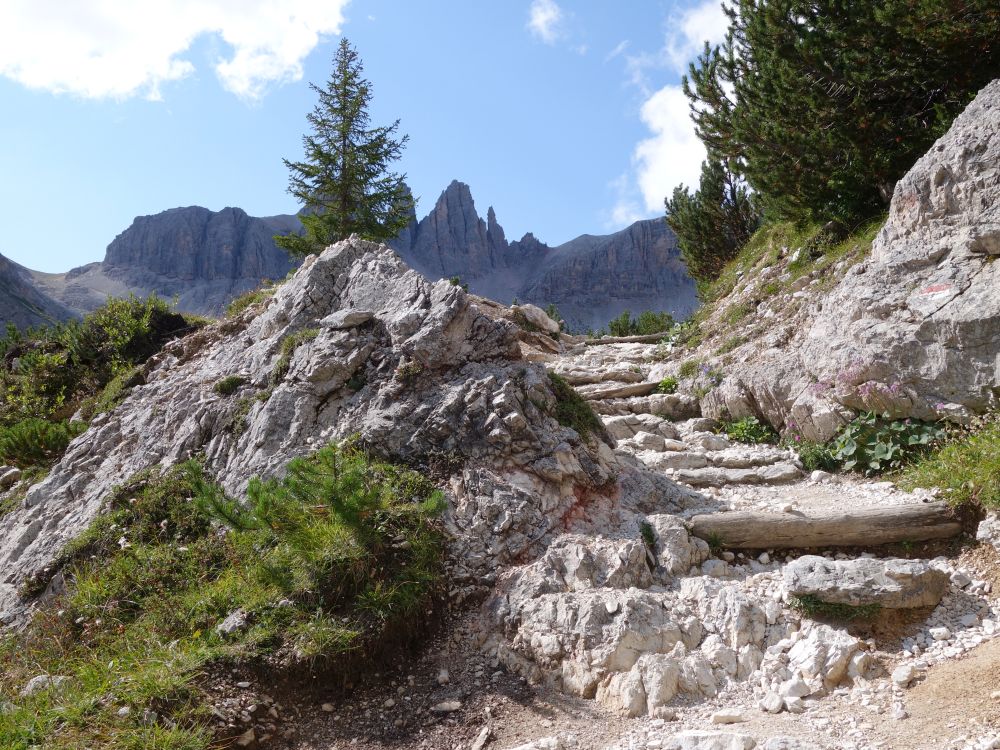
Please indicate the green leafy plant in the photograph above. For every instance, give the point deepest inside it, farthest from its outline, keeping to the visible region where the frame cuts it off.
(289, 344)
(249, 299)
(667, 385)
(815, 455)
(688, 368)
(873, 444)
(749, 430)
(409, 371)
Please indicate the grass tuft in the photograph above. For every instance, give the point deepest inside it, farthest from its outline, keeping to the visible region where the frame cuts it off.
(572, 410)
(966, 468)
(816, 608)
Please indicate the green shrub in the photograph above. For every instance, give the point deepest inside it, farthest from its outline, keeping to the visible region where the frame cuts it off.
(737, 312)
(730, 344)
(572, 410)
(36, 442)
(409, 371)
(667, 385)
(229, 385)
(872, 444)
(337, 568)
(967, 468)
(749, 430)
(647, 323)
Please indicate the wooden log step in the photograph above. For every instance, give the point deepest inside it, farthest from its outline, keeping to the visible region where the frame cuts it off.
(915, 522)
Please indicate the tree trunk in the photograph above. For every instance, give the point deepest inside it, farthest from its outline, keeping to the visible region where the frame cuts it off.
(864, 527)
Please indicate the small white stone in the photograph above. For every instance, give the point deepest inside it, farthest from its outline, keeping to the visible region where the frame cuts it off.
(728, 716)
(764, 558)
(446, 707)
(960, 579)
(327, 707)
(940, 634)
(772, 703)
(969, 621)
(904, 674)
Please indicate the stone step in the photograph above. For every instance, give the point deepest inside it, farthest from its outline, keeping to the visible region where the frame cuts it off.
(673, 406)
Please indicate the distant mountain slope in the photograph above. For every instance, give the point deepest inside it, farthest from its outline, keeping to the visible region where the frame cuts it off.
(591, 279)
(202, 258)
(205, 258)
(22, 303)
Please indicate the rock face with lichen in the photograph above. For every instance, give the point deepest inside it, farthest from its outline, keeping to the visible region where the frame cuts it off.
(358, 344)
(914, 330)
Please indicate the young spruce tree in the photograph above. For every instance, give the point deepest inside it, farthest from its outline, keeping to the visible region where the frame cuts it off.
(345, 183)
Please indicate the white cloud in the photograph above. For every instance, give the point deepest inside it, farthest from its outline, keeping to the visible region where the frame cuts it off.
(545, 20)
(686, 35)
(622, 46)
(673, 155)
(702, 23)
(120, 48)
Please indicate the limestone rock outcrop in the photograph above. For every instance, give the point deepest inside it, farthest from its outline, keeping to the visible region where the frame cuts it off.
(205, 258)
(414, 368)
(913, 330)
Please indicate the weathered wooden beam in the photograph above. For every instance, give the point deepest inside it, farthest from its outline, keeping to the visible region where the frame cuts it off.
(915, 522)
(646, 338)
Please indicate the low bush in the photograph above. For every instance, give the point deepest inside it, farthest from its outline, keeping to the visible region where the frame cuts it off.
(688, 368)
(88, 366)
(36, 442)
(873, 444)
(289, 344)
(815, 456)
(336, 568)
(814, 607)
(966, 468)
(749, 430)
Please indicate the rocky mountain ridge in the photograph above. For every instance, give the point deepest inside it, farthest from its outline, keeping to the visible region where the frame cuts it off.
(22, 303)
(205, 258)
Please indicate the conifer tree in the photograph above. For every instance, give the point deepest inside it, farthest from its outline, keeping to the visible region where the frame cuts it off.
(823, 105)
(714, 222)
(345, 183)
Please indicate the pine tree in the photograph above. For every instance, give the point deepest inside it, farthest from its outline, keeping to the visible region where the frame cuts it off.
(714, 222)
(345, 183)
(822, 106)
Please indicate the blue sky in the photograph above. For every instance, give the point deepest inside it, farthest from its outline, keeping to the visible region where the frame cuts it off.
(565, 116)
